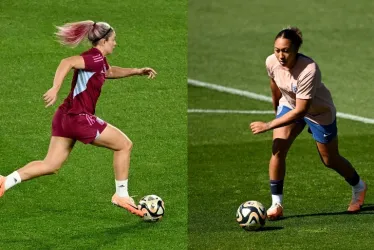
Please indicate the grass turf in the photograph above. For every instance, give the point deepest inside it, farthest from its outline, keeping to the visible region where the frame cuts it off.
(228, 44)
(228, 165)
(72, 210)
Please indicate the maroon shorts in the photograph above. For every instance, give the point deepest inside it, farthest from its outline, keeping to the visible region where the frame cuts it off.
(83, 127)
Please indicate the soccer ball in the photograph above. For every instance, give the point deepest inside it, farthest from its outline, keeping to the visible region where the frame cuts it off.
(251, 215)
(153, 206)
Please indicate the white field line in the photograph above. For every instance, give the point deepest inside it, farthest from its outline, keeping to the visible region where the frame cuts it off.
(259, 97)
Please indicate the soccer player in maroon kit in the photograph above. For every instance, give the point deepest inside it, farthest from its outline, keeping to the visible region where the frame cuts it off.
(75, 118)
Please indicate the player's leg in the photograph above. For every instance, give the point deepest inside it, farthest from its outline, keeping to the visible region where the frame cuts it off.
(114, 139)
(58, 152)
(282, 140)
(331, 158)
(326, 137)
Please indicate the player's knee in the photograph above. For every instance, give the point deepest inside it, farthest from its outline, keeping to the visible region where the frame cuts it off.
(279, 151)
(280, 154)
(127, 145)
(280, 147)
(328, 161)
(52, 167)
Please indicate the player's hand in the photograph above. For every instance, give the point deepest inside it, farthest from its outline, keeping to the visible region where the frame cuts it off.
(50, 97)
(151, 73)
(259, 127)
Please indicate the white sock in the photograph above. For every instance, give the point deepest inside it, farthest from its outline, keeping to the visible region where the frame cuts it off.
(276, 198)
(358, 187)
(121, 188)
(12, 180)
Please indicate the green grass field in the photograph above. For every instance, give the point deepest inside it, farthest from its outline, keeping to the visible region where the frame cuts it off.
(72, 210)
(228, 42)
(227, 165)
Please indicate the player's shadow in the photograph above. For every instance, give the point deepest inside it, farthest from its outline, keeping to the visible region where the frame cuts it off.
(269, 228)
(366, 209)
(107, 236)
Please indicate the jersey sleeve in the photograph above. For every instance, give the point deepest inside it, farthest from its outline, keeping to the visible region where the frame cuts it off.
(93, 63)
(269, 67)
(308, 83)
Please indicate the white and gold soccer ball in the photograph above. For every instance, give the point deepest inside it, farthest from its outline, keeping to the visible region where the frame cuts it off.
(251, 215)
(153, 206)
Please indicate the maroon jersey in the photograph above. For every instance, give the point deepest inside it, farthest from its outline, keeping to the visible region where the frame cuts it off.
(86, 84)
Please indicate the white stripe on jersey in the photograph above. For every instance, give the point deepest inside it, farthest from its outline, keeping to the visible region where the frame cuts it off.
(97, 58)
(82, 80)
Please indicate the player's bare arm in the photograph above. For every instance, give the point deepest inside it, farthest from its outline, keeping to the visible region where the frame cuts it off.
(115, 72)
(302, 106)
(275, 94)
(66, 64)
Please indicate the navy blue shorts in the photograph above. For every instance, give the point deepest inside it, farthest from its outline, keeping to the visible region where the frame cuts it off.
(321, 133)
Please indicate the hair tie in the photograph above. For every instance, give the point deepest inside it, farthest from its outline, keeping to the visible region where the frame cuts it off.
(106, 33)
